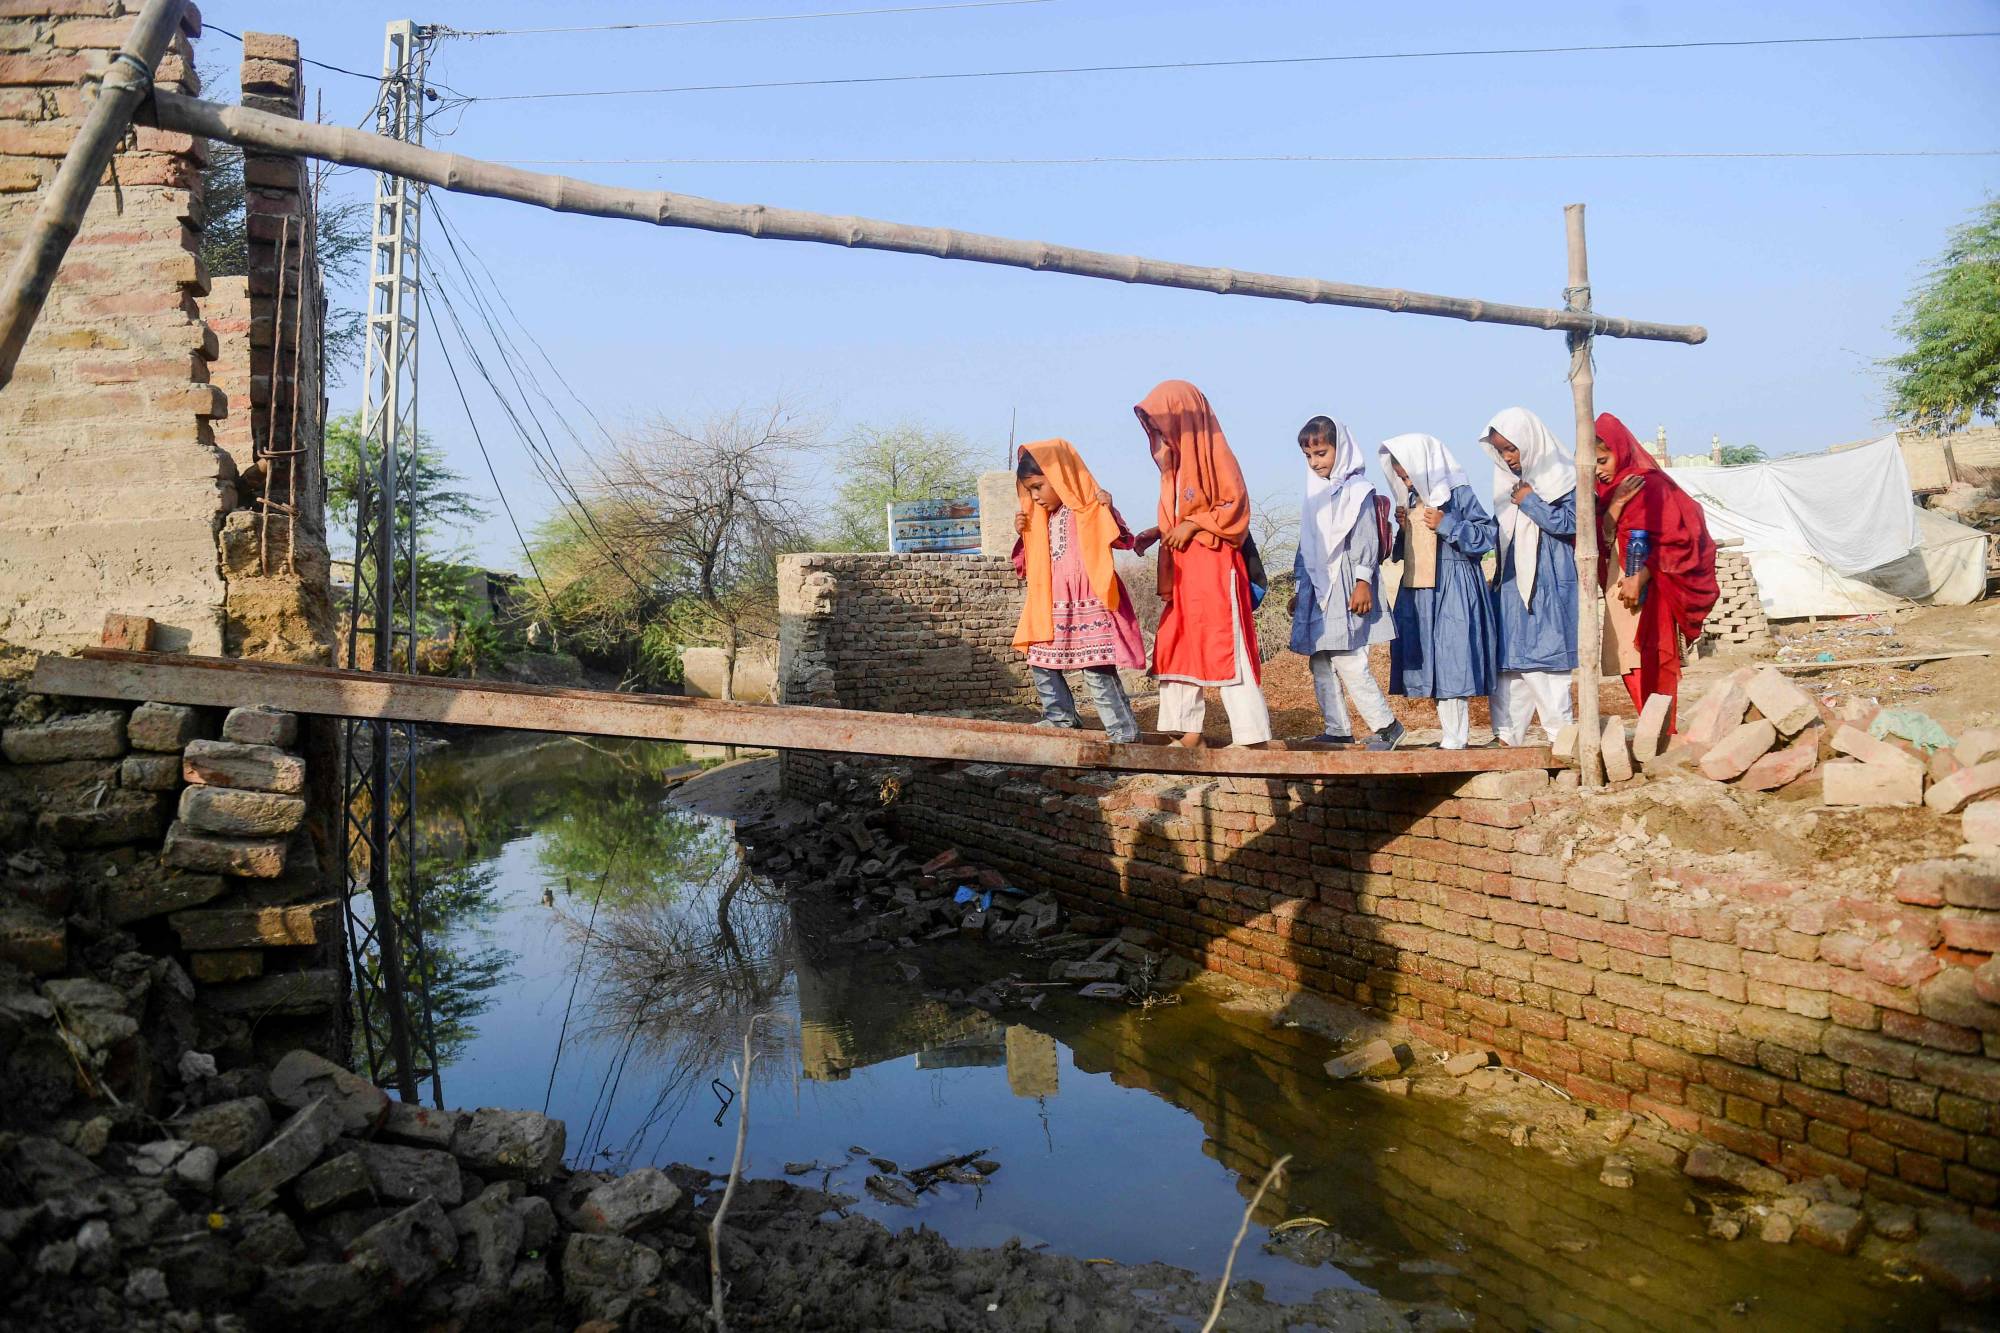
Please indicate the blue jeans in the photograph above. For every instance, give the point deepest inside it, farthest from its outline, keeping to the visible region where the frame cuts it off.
(1113, 708)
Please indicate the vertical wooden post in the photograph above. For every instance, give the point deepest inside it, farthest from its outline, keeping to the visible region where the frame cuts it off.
(1576, 296)
(127, 82)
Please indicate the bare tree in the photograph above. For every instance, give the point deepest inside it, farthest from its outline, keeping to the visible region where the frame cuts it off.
(880, 466)
(1274, 522)
(703, 511)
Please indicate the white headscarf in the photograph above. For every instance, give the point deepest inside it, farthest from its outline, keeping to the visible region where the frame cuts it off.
(1332, 507)
(1434, 473)
(1550, 471)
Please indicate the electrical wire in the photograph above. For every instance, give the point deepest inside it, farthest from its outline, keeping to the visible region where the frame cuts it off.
(1170, 159)
(748, 18)
(206, 26)
(1248, 63)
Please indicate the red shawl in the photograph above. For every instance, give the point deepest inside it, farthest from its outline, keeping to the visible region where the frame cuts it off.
(1683, 557)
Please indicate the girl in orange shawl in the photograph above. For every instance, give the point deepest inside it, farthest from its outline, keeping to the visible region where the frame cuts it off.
(1077, 615)
(1206, 637)
(1655, 556)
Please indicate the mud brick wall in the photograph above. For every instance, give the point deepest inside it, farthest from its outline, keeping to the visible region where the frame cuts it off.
(187, 829)
(111, 484)
(899, 633)
(1835, 1020)
(1737, 624)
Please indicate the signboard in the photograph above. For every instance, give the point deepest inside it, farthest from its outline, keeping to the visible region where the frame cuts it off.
(938, 527)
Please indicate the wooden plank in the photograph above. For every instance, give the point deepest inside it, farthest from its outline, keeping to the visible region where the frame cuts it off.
(223, 683)
(1913, 659)
(264, 132)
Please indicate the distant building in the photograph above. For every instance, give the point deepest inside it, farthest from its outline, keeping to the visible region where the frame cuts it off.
(1713, 458)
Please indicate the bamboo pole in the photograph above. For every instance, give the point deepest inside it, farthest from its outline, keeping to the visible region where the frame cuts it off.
(1582, 386)
(126, 83)
(565, 194)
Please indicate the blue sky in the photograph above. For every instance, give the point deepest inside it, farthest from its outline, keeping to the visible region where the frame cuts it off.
(1797, 267)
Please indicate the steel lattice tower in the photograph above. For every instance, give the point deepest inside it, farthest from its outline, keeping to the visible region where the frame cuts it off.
(379, 845)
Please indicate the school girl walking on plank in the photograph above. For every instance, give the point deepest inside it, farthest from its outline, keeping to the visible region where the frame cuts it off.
(1077, 615)
(1335, 612)
(1206, 637)
(1656, 561)
(1443, 648)
(1534, 595)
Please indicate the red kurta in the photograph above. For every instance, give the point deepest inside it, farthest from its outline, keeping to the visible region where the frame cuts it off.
(1196, 642)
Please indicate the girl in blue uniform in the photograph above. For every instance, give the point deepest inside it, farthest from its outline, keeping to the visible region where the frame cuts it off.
(1443, 648)
(1534, 596)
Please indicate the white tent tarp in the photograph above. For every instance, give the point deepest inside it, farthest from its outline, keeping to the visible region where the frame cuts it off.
(1838, 534)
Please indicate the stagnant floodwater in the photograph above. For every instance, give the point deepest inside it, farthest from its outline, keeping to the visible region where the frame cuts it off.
(603, 949)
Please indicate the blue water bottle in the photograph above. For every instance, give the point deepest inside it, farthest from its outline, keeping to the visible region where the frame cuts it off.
(1638, 545)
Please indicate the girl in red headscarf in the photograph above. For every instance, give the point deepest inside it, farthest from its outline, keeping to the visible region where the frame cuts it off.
(1206, 636)
(1652, 534)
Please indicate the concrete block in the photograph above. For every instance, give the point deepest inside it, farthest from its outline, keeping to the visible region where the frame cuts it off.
(1563, 747)
(1372, 1059)
(336, 1183)
(1833, 1227)
(1782, 767)
(1721, 710)
(234, 1128)
(513, 1145)
(1649, 733)
(257, 927)
(191, 849)
(1616, 751)
(407, 1250)
(163, 727)
(404, 1175)
(1856, 743)
(229, 764)
(239, 813)
(1848, 782)
(132, 634)
(122, 817)
(998, 503)
(1963, 786)
(149, 893)
(1978, 745)
(301, 1078)
(632, 1202)
(1981, 822)
(1741, 747)
(1783, 704)
(261, 724)
(99, 735)
(150, 772)
(297, 1146)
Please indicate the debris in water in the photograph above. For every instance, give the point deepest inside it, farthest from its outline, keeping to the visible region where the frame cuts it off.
(891, 1190)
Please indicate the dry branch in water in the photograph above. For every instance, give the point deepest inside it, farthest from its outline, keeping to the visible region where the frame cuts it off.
(735, 1174)
(1271, 1177)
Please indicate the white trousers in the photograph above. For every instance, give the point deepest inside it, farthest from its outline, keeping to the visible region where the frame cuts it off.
(1330, 671)
(1183, 707)
(1455, 716)
(1520, 695)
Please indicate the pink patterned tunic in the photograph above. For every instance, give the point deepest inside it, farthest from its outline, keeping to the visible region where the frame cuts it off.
(1086, 634)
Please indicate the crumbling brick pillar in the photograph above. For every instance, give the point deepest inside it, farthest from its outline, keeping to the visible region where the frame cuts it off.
(111, 484)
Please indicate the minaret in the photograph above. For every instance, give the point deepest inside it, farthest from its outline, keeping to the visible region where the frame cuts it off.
(1715, 450)
(1660, 446)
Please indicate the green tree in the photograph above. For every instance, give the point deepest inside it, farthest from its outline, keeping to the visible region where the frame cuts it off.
(1951, 372)
(882, 465)
(1737, 455)
(434, 495)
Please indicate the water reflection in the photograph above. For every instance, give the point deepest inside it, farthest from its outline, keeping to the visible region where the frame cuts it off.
(640, 948)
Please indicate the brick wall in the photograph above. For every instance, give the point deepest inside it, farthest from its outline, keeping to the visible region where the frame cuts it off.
(111, 485)
(1829, 1019)
(187, 829)
(899, 633)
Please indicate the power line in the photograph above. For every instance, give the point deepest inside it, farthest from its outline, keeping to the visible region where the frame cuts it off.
(206, 26)
(748, 18)
(1250, 63)
(1170, 159)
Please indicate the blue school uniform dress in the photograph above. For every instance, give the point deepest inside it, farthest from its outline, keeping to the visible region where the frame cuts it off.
(1540, 635)
(1444, 646)
(1334, 628)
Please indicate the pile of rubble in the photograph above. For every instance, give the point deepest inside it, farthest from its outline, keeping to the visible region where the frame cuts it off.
(1758, 730)
(844, 851)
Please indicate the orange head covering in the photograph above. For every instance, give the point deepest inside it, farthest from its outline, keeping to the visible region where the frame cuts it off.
(1096, 530)
(1200, 480)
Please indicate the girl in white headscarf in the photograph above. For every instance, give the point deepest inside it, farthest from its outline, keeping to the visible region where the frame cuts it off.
(1534, 595)
(1335, 612)
(1443, 648)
